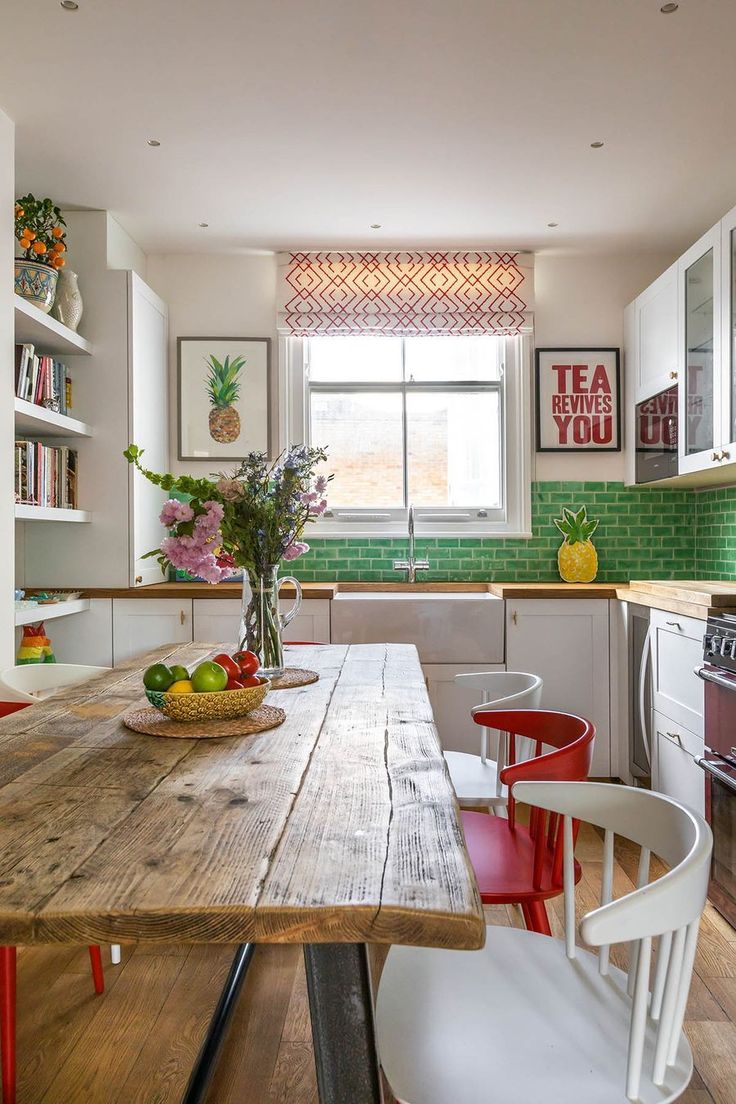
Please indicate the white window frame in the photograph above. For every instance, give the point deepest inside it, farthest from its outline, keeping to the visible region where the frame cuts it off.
(514, 520)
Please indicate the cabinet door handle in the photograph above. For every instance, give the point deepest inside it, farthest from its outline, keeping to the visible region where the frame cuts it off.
(714, 456)
(182, 617)
(673, 375)
(515, 617)
(675, 736)
(674, 625)
(725, 455)
(139, 579)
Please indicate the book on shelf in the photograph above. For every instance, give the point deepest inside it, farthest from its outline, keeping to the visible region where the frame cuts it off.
(42, 380)
(45, 475)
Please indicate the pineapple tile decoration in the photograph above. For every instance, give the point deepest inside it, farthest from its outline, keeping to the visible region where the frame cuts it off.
(223, 387)
(577, 558)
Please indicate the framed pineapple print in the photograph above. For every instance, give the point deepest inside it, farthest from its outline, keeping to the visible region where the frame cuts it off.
(224, 392)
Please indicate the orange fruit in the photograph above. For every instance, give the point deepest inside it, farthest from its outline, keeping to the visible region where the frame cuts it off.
(24, 243)
(58, 261)
(57, 232)
(19, 212)
(58, 247)
(39, 247)
(30, 234)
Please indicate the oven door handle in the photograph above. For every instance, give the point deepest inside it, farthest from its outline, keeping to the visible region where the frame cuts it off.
(720, 776)
(728, 683)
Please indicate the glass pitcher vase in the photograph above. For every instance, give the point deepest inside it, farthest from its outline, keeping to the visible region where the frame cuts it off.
(261, 623)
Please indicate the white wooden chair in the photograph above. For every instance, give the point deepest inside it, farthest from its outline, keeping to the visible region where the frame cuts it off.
(476, 777)
(32, 682)
(532, 1018)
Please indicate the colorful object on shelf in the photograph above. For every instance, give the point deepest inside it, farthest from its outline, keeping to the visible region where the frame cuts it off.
(36, 282)
(35, 646)
(40, 231)
(577, 558)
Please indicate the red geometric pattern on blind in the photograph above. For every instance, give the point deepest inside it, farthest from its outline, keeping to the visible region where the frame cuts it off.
(405, 292)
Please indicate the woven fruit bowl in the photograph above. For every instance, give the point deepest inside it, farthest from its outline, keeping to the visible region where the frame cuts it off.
(222, 706)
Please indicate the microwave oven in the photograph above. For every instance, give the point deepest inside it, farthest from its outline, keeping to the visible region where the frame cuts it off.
(656, 436)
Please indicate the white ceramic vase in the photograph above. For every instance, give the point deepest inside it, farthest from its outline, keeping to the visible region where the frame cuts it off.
(68, 305)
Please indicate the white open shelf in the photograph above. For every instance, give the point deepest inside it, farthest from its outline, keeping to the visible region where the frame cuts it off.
(49, 513)
(48, 335)
(49, 613)
(38, 421)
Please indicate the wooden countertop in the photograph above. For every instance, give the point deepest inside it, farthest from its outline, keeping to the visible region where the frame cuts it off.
(688, 597)
(552, 589)
(340, 825)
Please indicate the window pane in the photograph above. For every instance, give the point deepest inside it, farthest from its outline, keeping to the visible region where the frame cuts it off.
(355, 359)
(453, 358)
(363, 434)
(454, 447)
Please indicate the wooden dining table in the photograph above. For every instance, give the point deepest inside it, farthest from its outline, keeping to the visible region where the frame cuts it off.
(336, 830)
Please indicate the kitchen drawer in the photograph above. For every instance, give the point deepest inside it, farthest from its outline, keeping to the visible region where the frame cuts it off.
(674, 771)
(677, 648)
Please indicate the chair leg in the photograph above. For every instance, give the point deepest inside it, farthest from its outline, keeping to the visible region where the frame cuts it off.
(98, 977)
(7, 1022)
(539, 921)
(115, 954)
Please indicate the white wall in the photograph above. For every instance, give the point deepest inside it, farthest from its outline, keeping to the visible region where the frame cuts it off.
(214, 296)
(122, 251)
(7, 389)
(580, 301)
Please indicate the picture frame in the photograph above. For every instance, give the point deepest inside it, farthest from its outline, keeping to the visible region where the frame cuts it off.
(578, 399)
(224, 397)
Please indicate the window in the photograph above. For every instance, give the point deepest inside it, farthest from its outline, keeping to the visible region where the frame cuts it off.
(437, 422)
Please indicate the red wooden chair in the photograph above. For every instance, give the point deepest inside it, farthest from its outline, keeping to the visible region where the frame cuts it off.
(516, 863)
(8, 986)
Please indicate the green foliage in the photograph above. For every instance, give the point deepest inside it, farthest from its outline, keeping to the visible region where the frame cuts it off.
(222, 380)
(39, 218)
(576, 526)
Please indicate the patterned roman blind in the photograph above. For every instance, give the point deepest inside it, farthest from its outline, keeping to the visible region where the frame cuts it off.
(405, 293)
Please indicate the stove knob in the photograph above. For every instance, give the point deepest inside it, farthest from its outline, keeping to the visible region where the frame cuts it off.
(715, 645)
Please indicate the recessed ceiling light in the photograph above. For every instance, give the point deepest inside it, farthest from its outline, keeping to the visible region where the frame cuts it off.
(552, 225)
(376, 225)
(204, 225)
(667, 9)
(69, 5)
(597, 144)
(152, 142)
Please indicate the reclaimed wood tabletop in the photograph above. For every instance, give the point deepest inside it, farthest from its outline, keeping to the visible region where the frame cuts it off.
(340, 825)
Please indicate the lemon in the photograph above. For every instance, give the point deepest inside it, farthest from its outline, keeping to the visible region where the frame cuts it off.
(182, 686)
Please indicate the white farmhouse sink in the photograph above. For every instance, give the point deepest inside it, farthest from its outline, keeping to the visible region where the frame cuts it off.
(451, 627)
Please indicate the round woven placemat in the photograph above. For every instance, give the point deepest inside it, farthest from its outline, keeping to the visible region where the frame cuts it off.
(153, 723)
(294, 676)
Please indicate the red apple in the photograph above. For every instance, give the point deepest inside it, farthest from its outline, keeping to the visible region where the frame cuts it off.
(251, 680)
(234, 684)
(231, 667)
(248, 662)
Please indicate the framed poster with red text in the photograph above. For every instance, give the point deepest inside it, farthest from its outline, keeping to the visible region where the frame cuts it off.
(578, 400)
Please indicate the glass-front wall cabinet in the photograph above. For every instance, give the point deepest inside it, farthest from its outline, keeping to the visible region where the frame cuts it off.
(730, 345)
(700, 382)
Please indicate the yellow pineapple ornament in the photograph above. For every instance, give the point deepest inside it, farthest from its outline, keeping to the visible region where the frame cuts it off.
(577, 558)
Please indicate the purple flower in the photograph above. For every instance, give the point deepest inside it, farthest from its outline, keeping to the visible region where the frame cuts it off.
(174, 511)
(320, 485)
(295, 549)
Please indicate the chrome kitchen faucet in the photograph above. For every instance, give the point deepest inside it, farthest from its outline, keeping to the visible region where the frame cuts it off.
(411, 565)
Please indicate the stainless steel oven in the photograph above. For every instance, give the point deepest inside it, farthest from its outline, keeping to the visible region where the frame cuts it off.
(656, 436)
(718, 672)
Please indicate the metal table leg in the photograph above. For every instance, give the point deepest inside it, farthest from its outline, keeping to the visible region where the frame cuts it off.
(341, 1005)
(201, 1075)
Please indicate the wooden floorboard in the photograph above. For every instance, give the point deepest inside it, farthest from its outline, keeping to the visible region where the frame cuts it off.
(136, 1043)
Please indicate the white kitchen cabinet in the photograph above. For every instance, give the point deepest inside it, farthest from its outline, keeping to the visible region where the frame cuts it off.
(674, 771)
(140, 624)
(656, 336)
(700, 382)
(728, 336)
(677, 648)
(218, 619)
(566, 642)
(84, 637)
(452, 704)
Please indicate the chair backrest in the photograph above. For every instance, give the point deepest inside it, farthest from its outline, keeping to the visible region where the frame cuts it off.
(505, 689)
(33, 681)
(668, 909)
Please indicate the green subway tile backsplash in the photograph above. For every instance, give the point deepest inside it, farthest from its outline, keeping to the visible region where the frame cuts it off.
(716, 533)
(642, 534)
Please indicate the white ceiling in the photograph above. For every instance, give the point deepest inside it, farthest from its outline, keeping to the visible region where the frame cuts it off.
(453, 123)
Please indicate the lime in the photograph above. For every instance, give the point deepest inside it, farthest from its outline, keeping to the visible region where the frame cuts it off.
(181, 686)
(180, 673)
(158, 677)
(208, 678)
